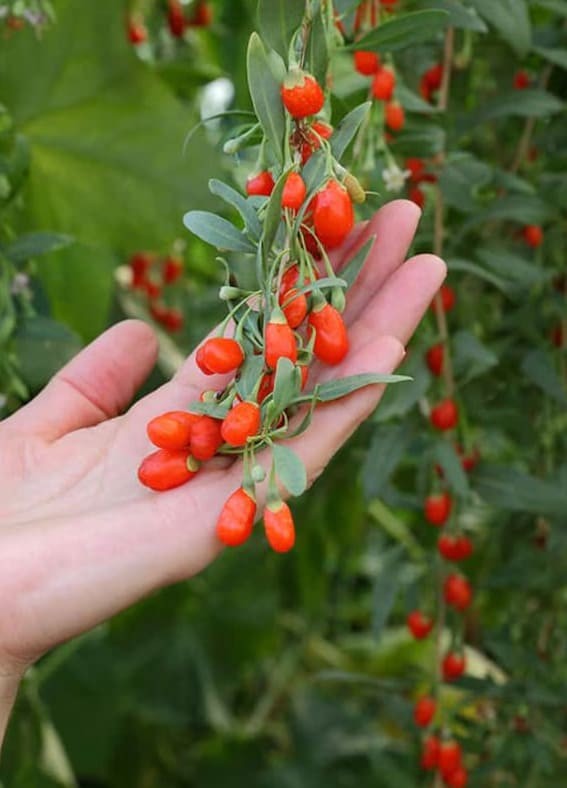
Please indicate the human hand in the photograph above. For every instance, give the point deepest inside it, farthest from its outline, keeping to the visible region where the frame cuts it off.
(80, 538)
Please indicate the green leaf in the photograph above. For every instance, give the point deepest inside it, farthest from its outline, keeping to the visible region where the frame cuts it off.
(404, 30)
(43, 346)
(460, 16)
(553, 55)
(287, 384)
(355, 265)
(336, 389)
(518, 208)
(214, 409)
(217, 231)
(278, 21)
(249, 375)
(290, 470)
(519, 272)
(242, 205)
(515, 491)
(317, 54)
(35, 245)
(273, 217)
(472, 268)
(387, 448)
(511, 19)
(558, 6)
(265, 94)
(538, 367)
(450, 462)
(412, 102)
(399, 400)
(471, 358)
(461, 179)
(534, 103)
(385, 588)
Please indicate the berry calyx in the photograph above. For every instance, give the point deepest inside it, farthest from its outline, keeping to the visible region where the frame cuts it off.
(457, 592)
(279, 527)
(383, 84)
(164, 469)
(294, 193)
(236, 519)
(333, 215)
(331, 338)
(302, 95)
(260, 185)
(435, 358)
(172, 430)
(419, 624)
(366, 63)
(453, 666)
(219, 355)
(241, 423)
(437, 508)
(424, 711)
(445, 415)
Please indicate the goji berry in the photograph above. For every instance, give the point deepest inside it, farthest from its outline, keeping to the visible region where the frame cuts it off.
(312, 141)
(435, 358)
(279, 527)
(280, 341)
(236, 519)
(437, 508)
(419, 624)
(383, 84)
(219, 355)
(457, 592)
(165, 469)
(202, 15)
(140, 263)
(430, 753)
(172, 269)
(294, 192)
(294, 307)
(241, 423)
(416, 167)
(176, 18)
(533, 235)
(521, 80)
(302, 95)
(260, 185)
(424, 711)
(445, 415)
(448, 298)
(206, 438)
(331, 338)
(417, 196)
(172, 430)
(457, 778)
(394, 116)
(453, 666)
(366, 63)
(450, 756)
(333, 215)
(153, 289)
(137, 32)
(173, 320)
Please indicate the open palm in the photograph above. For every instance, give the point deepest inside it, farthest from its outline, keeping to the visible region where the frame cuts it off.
(80, 539)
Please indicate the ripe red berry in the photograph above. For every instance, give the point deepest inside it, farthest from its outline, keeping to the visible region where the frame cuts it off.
(312, 141)
(260, 185)
(558, 336)
(137, 33)
(172, 430)
(419, 625)
(533, 235)
(294, 192)
(424, 711)
(279, 526)
(294, 307)
(435, 358)
(173, 320)
(159, 313)
(457, 778)
(164, 469)
(521, 80)
(280, 341)
(445, 415)
(394, 116)
(153, 290)
(241, 423)
(430, 753)
(236, 519)
(417, 196)
(140, 263)
(416, 167)
(219, 355)
(202, 15)
(333, 215)
(433, 77)
(453, 666)
(302, 95)
(331, 338)
(206, 438)
(366, 63)
(437, 508)
(457, 592)
(172, 269)
(463, 548)
(383, 84)
(175, 18)
(448, 298)
(450, 756)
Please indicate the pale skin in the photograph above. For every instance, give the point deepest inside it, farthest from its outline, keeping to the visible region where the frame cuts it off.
(81, 539)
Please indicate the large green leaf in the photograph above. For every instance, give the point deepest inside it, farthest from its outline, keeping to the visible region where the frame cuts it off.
(278, 20)
(460, 16)
(512, 20)
(534, 103)
(508, 488)
(265, 92)
(404, 31)
(106, 140)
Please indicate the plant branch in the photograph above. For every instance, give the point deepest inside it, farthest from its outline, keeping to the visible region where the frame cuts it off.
(529, 127)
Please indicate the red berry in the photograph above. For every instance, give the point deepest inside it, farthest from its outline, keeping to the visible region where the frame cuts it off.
(241, 423)
(152, 289)
(164, 469)
(140, 263)
(430, 753)
(446, 545)
(312, 142)
(457, 592)
(261, 185)
(266, 387)
(176, 18)
(304, 371)
(302, 95)
(469, 461)
(435, 357)
(424, 711)
(445, 415)
(366, 63)
(331, 338)
(219, 355)
(137, 33)
(294, 307)
(172, 269)
(437, 508)
(433, 77)
(236, 519)
(173, 320)
(416, 167)
(463, 548)
(202, 15)
(417, 196)
(453, 666)
(521, 80)
(533, 235)
(558, 336)
(294, 192)
(419, 625)
(394, 116)
(206, 438)
(457, 778)
(280, 341)
(448, 298)
(279, 526)
(333, 215)
(159, 312)
(383, 84)
(450, 756)
(172, 430)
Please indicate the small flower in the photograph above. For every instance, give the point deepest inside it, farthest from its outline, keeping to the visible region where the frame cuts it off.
(394, 178)
(20, 284)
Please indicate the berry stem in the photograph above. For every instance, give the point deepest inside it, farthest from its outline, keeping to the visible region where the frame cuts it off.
(529, 127)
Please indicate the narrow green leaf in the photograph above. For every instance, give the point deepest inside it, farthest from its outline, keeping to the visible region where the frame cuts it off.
(538, 367)
(248, 376)
(412, 102)
(278, 21)
(214, 409)
(265, 94)
(237, 201)
(273, 217)
(385, 588)
(287, 384)
(519, 272)
(387, 448)
(519, 208)
(511, 19)
(290, 470)
(472, 268)
(399, 400)
(403, 31)
(395, 528)
(460, 16)
(217, 231)
(515, 491)
(336, 389)
(558, 6)
(317, 55)
(553, 55)
(450, 462)
(471, 358)
(353, 268)
(535, 103)
(32, 245)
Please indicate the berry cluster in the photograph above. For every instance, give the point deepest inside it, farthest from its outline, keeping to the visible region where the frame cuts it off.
(178, 20)
(151, 276)
(382, 88)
